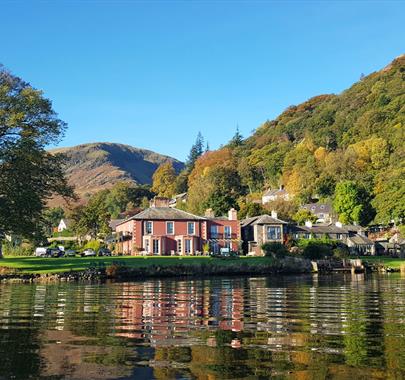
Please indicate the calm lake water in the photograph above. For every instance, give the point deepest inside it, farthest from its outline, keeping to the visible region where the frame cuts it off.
(307, 327)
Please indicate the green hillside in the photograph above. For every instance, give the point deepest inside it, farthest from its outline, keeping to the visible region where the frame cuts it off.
(355, 138)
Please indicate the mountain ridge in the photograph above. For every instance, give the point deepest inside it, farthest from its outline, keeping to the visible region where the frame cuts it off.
(91, 167)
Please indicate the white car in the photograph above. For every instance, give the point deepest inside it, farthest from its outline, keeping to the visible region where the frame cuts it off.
(88, 252)
(40, 252)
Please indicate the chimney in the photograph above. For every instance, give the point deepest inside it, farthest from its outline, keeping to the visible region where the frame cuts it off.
(308, 224)
(209, 213)
(339, 224)
(232, 214)
(274, 214)
(159, 202)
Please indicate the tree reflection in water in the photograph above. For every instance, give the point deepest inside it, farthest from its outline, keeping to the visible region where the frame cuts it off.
(338, 326)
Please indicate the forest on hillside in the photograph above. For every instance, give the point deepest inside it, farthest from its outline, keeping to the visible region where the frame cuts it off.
(346, 148)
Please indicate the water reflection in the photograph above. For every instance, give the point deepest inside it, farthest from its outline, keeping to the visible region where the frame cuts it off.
(342, 326)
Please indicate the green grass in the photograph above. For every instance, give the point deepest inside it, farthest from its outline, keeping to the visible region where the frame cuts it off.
(384, 260)
(56, 265)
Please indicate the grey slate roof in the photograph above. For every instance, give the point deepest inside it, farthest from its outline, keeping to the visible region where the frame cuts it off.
(318, 208)
(261, 219)
(360, 240)
(278, 192)
(165, 213)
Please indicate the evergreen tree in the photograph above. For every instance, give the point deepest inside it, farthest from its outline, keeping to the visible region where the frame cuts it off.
(237, 139)
(196, 151)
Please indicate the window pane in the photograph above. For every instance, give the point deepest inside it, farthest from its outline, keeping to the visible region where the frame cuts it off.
(190, 228)
(273, 233)
(169, 228)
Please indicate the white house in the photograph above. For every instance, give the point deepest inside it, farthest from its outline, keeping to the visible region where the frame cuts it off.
(276, 194)
(63, 225)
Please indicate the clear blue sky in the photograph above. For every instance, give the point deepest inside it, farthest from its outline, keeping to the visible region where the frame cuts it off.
(153, 74)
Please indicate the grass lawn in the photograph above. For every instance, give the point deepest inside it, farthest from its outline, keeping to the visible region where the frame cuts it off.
(384, 260)
(29, 264)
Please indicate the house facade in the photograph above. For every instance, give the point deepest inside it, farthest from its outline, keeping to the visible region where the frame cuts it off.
(276, 194)
(163, 230)
(262, 229)
(63, 225)
(323, 211)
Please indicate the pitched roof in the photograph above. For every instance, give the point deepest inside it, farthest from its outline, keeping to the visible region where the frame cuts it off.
(165, 213)
(318, 208)
(261, 219)
(271, 192)
(360, 240)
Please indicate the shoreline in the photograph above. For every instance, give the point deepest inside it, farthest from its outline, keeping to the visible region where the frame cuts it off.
(121, 271)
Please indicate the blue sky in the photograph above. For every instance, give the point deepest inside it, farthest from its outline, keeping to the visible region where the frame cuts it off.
(153, 74)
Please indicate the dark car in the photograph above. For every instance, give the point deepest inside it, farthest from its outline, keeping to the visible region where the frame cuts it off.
(70, 253)
(54, 252)
(104, 252)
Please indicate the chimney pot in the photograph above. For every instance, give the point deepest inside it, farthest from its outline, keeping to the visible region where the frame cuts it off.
(308, 224)
(274, 214)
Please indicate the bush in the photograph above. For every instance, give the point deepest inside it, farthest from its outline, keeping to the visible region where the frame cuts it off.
(341, 252)
(93, 244)
(278, 250)
(23, 249)
(315, 249)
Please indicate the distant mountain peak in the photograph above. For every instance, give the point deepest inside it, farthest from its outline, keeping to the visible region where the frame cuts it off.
(95, 166)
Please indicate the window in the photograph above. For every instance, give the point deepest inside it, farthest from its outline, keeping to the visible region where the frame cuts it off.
(147, 245)
(178, 245)
(190, 228)
(148, 228)
(187, 246)
(227, 232)
(214, 231)
(170, 228)
(215, 247)
(339, 236)
(227, 244)
(273, 233)
(155, 246)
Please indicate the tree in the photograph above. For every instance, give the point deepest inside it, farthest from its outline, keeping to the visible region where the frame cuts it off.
(237, 139)
(92, 219)
(51, 218)
(29, 175)
(352, 203)
(196, 151)
(164, 180)
(250, 209)
(302, 215)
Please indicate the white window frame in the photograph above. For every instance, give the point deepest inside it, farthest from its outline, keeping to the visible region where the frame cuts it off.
(188, 229)
(146, 228)
(179, 245)
(186, 241)
(167, 231)
(158, 246)
(275, 229)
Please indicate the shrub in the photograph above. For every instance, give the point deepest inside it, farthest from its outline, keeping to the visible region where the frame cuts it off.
(315, 249)
(93, 244)
(278, 250)
(341, 252)
(23, 249)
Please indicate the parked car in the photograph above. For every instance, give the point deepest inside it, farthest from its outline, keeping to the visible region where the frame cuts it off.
(54, 252)
(40, 252)
(70, 253)
(88, 252)
(104, 252)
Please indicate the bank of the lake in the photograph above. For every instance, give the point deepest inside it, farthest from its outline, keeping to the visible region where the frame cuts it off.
(135, 267)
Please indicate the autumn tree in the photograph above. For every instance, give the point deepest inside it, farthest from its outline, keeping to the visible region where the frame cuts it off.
(164, 180)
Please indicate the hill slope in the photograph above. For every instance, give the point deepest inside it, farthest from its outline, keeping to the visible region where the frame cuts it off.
(357, 135)
(96, 166)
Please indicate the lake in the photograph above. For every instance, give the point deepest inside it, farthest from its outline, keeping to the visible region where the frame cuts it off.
(339, 326)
